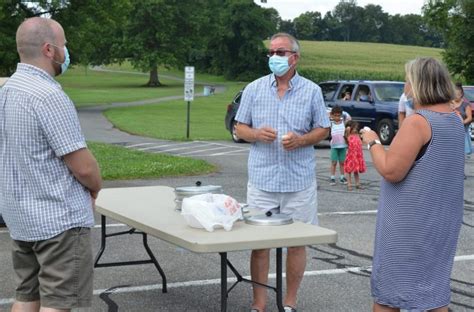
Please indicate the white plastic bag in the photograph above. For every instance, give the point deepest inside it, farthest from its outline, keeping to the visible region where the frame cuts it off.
(211, 211)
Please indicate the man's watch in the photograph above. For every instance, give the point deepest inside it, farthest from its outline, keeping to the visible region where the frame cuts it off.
(372, 143)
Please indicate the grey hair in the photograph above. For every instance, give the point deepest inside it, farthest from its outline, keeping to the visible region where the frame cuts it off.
(295, 45)
(430, 81)
(32, 34)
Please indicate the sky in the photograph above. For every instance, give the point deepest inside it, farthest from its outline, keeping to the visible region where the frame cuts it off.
(289, 9)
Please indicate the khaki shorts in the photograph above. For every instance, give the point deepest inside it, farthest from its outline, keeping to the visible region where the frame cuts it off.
(57, 271)
(301, 206)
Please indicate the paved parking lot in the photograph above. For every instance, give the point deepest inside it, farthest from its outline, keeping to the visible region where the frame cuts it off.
(337, 275)
(192, 149)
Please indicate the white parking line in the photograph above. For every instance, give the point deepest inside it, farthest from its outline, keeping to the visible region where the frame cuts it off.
(166, 150)
(347, 212)
(139, 144)
(226, 153)
(204, 150)
(216, 281)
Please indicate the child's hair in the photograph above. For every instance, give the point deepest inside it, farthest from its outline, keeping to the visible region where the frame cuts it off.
(353, 125)
(336, 110)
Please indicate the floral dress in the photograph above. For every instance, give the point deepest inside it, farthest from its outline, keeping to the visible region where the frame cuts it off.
(354, 162)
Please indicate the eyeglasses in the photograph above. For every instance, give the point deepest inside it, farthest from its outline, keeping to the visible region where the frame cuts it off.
(279, 52)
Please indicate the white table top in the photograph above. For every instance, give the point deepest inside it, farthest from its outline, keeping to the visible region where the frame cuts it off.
(151, 209)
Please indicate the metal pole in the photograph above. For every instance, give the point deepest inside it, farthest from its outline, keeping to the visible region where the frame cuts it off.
(187, 120)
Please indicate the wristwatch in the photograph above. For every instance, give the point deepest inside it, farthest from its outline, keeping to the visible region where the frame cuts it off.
(373, 142)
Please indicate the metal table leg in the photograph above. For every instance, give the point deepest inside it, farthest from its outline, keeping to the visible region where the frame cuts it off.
(279, 279)
(223, 281)
(103, 240)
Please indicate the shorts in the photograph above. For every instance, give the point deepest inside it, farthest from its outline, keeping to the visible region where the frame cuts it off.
(301, 205)
(57, 271)
(338, 154)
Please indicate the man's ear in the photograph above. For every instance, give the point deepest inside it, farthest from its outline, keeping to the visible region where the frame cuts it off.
(47, 50)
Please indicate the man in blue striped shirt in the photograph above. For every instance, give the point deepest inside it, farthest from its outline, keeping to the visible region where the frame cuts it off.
(48, 178)
(283, 115)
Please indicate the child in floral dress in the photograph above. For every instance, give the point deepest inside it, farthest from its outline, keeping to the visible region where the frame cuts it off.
(354, 163)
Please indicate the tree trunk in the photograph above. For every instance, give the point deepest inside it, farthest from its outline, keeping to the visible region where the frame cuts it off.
(154, 81)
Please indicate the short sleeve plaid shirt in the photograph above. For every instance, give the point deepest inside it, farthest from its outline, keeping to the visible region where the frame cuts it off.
(302, 108)
(39, 196)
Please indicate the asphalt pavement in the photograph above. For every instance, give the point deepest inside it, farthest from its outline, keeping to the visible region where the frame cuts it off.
(336, 277)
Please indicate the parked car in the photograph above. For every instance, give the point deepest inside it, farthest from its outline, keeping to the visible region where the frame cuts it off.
(230, 122)
(469, 95)
(371, 103)
(232, 111)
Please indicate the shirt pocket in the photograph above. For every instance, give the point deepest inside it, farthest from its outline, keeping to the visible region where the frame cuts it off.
(297, 115)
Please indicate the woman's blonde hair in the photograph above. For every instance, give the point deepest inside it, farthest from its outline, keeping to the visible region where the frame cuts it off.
(430, 81)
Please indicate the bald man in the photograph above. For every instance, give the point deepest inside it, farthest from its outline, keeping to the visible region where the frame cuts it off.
(49, 180)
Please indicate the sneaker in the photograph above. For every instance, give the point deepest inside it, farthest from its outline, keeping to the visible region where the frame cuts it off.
(343, 180)
(332, 181)
(289, 309)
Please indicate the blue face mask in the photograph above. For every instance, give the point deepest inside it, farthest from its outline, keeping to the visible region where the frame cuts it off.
(278, 65)
(67, 60)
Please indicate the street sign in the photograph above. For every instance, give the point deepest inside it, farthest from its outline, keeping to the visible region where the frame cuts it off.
(189, 83)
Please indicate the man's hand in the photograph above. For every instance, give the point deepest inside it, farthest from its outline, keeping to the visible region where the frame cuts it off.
(291, 141)
(265, 134)
(94, 196)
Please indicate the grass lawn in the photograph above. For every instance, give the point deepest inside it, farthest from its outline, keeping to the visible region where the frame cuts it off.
(120, 163)
(168, 120)
(90, 87)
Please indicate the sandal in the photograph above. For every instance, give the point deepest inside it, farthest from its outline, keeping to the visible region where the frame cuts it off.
(359, 187)
(349, 188)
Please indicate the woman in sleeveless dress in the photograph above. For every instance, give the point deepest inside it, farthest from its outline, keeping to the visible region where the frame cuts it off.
(419, 215)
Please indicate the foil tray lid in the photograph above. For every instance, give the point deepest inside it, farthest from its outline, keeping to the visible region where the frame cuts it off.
(269, 219)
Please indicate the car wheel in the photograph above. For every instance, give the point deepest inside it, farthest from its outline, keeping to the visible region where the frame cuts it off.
(385, 130)
(235, 138)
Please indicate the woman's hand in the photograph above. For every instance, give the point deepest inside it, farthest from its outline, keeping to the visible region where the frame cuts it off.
(368, 135)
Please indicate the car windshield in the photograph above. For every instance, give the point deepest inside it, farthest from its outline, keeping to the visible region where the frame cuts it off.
(388, 92)
(469, 94)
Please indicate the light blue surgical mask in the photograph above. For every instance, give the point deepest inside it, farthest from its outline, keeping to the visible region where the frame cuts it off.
(279, 65)
(67, 60)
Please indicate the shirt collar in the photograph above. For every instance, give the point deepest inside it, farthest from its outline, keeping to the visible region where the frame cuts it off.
(293, 81)
(36, 71)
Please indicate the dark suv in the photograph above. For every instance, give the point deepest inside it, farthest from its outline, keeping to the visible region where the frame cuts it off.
(371, 103)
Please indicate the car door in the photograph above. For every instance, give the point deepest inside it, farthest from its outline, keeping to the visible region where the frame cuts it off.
(362, 106)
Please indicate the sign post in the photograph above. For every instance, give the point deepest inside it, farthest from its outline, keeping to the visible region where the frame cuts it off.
(188, 92)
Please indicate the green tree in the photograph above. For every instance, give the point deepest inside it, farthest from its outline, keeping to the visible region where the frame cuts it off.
(374, 21)
(236, 47)
(12, 13)
(162, 32)
(94, 30)
(347, 13)
(308, 26)
(455, 20)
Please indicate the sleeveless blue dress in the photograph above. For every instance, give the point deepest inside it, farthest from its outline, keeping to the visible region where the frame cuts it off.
(418, 223)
